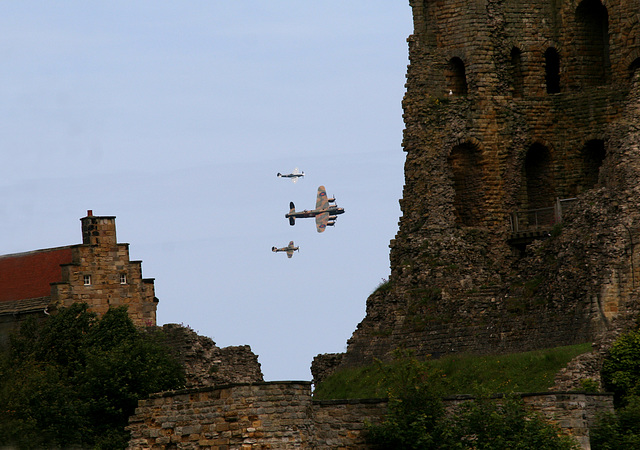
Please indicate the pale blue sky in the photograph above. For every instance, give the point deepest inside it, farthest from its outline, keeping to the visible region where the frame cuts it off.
(176, 116)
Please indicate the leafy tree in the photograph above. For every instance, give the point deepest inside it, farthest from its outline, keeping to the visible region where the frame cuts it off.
(621, 367)
(619, 431)
(74, 379)
(417, 418)
(503, 424)
(621, 375)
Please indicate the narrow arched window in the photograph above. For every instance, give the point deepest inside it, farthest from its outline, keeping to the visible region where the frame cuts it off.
(517, 78)
(456, 77)
(465, 163)
(552, 70)
(592, 154)
(592, 40)
(539, 177)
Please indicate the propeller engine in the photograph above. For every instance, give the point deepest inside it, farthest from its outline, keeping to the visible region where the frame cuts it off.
(331, 224)
(333, 218)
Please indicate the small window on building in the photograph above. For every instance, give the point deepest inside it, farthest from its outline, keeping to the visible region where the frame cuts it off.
(552, 70)
(87, 280)
(592, 43)
(517, 77)
(123, 278)
(456, 77)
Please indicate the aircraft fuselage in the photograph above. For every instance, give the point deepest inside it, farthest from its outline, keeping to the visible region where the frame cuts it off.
(333, 211)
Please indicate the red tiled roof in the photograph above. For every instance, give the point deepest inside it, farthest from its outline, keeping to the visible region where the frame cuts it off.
(29, 275)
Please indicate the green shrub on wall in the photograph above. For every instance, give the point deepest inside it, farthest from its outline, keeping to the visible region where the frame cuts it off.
(417, 418)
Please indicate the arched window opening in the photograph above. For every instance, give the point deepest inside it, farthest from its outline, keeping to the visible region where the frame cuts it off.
(539, 178)
(456, 77)
(552, 70)
(634, 70)
(466, 166)
(592, 154)
(592, 39)
(517, 78)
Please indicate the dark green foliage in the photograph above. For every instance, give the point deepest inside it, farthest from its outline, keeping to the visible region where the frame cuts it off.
(504, 424)
(417, 418)
(621, 375)
(74, 380)
(619, 431)
(415, 408)
(621, 367)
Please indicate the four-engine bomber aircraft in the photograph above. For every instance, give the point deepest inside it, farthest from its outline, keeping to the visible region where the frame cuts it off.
(325, 213)
(289, 249)
(294, 175)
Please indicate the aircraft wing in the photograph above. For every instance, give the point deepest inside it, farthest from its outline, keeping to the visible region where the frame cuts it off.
(289, 253)
(321, 200)
(321, 221)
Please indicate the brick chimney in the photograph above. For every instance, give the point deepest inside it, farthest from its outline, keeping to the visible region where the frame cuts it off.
(98, 230)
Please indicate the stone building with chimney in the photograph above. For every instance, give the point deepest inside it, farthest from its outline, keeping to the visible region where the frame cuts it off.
(98, 271)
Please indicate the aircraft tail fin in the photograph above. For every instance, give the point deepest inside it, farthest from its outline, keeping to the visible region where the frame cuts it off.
(292, 209)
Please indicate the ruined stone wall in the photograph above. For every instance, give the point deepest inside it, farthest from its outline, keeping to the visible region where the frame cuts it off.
(207, 364)
(282, 415)
(509, 106)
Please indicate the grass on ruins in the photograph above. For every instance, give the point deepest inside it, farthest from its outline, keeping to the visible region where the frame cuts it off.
(461, 374)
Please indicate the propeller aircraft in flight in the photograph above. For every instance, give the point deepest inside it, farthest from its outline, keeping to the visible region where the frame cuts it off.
(289, 249)
(294, 175)
(326, 211)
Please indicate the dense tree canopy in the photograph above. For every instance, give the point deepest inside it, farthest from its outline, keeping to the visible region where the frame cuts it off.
(74, 379)
(621, 375)
(621, 367)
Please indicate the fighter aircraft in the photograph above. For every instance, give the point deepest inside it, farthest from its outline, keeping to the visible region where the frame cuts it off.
(294, 175)
(325, 213)
(289, 249)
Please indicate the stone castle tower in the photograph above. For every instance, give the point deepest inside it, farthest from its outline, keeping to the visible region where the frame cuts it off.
(520, 210)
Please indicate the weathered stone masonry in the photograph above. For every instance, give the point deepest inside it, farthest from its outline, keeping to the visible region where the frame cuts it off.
(510, 106)
(282, 415)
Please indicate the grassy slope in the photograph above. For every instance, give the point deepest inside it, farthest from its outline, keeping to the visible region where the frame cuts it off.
(460, 374)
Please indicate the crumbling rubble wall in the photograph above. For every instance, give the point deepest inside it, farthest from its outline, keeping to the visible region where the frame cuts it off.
(207, 364)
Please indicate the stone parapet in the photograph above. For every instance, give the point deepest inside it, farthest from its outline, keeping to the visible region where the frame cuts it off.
(282, 415)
